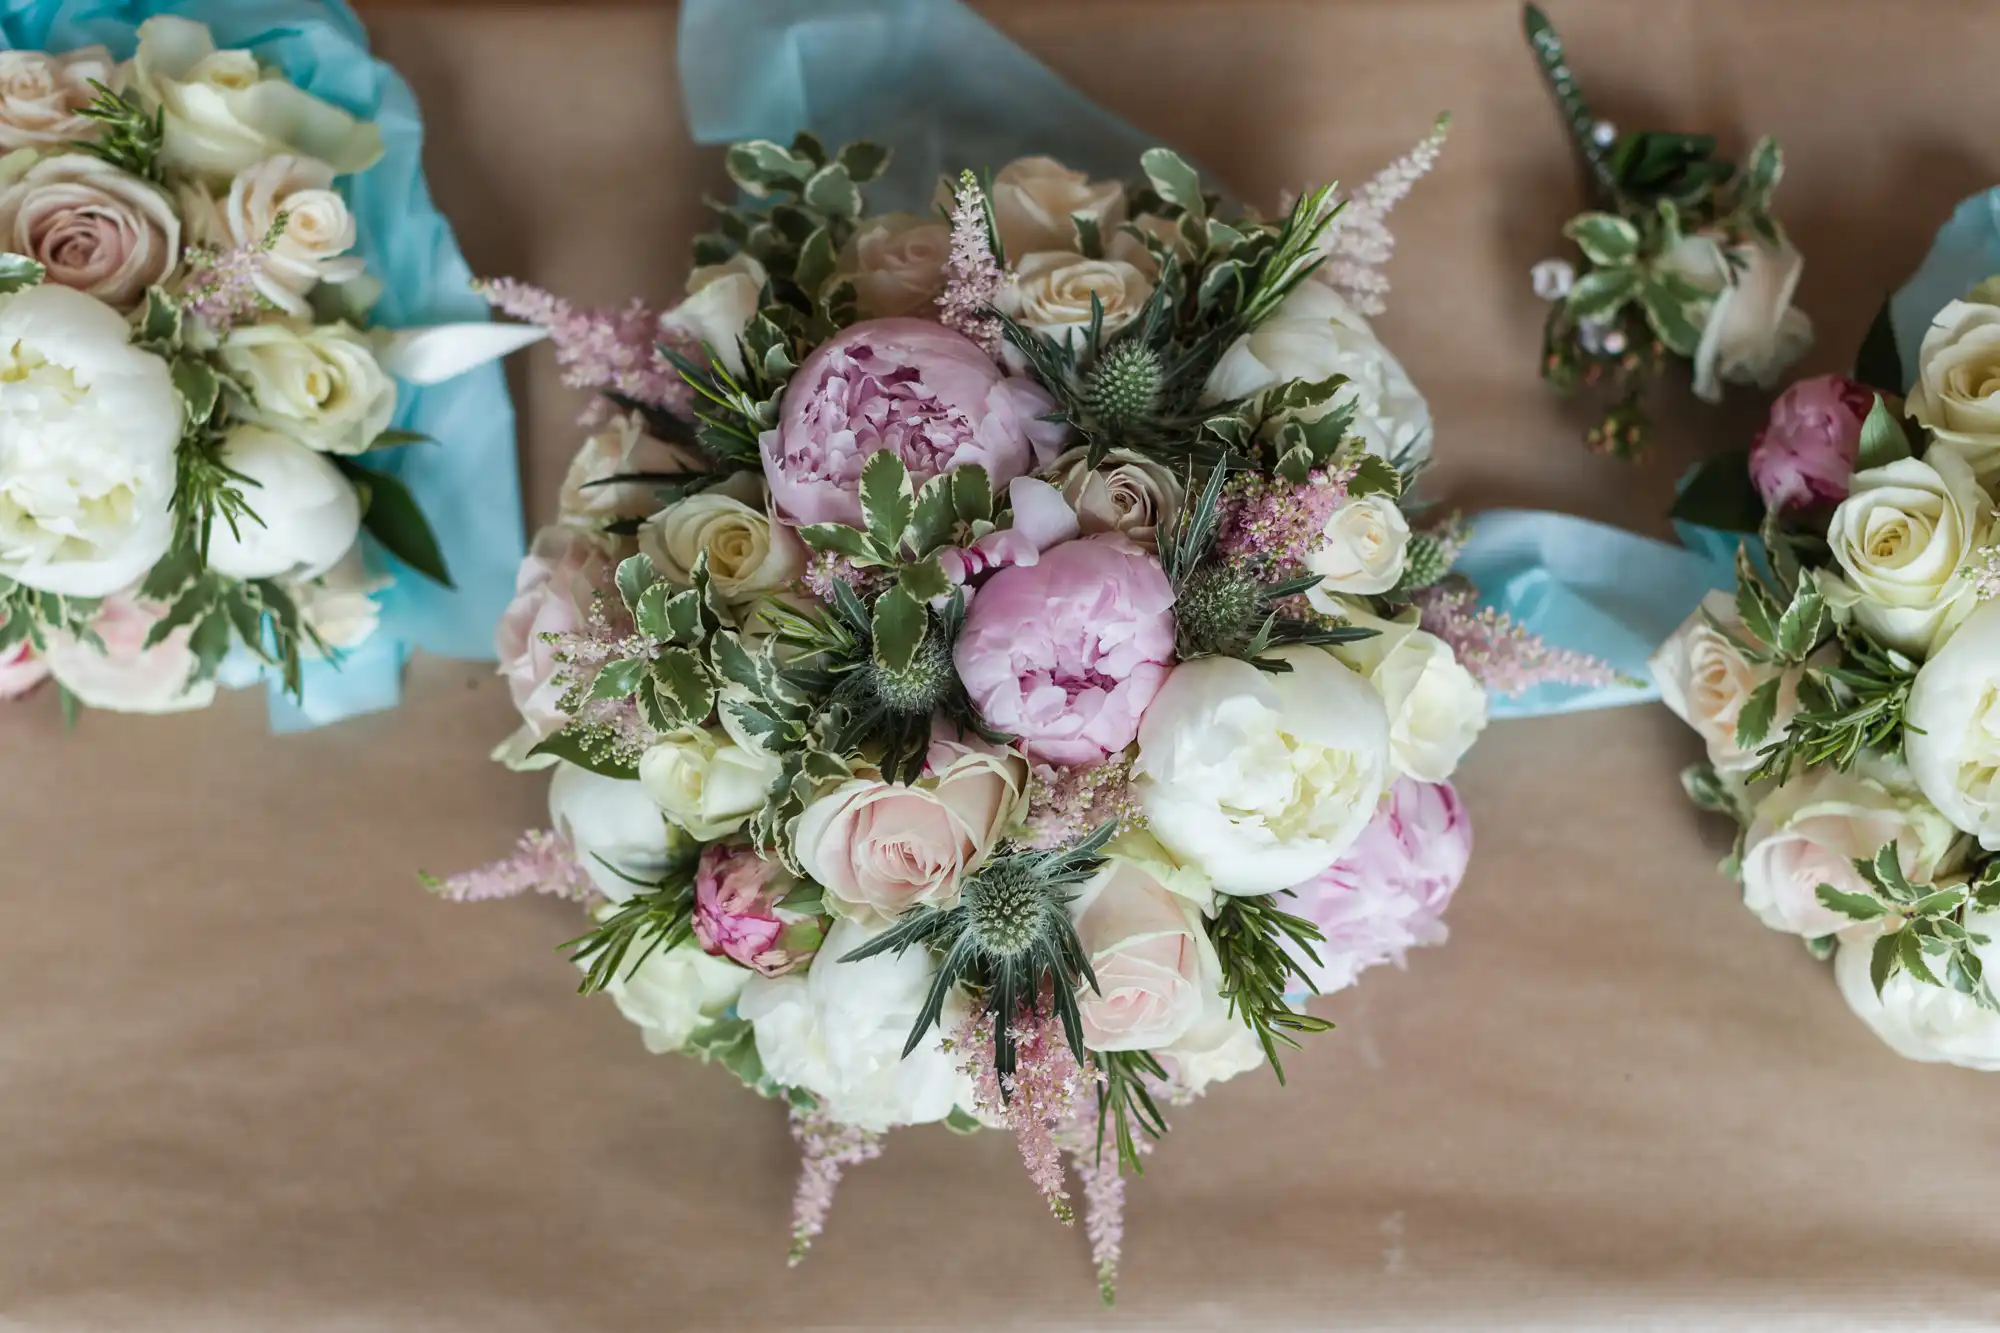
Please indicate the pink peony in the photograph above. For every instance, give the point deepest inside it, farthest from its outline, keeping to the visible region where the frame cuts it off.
(552, 595)
(911, 386)
(737, 914)
(20, 670)
(1066, 653)
(1388, 894)
(1806, 452)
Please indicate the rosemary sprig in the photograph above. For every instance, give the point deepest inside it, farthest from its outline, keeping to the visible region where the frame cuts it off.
(1250, 935)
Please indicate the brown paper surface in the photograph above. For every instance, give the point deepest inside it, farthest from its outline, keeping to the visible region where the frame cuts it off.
(253, 1078)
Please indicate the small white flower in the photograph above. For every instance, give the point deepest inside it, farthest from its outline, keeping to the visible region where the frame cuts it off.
(1553, 279)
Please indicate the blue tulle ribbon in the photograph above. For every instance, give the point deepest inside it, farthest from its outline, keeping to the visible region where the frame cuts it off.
(946, 90)
(468, 482)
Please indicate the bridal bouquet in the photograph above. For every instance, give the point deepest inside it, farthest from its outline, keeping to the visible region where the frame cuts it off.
(1848, 692)
(188, 381)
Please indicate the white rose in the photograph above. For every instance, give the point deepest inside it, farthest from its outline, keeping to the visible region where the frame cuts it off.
(721, 301)
(1811, 830)
(1951, 734)
(706, 784)
(88, 429)
(1262, 779)
(322, 384)
(1957, 393)
(616, 829)
(749, 556)
(1437, 708)
(1705, 679)
(1139, 921)
(674, 992)
(1036, 200)
(319, 229)
(1903, 537)
(1126, 493)
(42, 93)
(307, 513)
(223, 112)
(896, 262)
(620, 447)
(838, 1031)
(120, 671)
(1315, 334)
(339, 606)
(1361, 551)
(1052, 290)
(1923, 1022)
(92, 227)
(1752, 333)
(1218, 1047)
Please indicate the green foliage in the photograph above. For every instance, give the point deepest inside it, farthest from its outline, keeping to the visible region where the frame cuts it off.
(1125, 1105)
(1924, 930)
(1577, 116)
(18, 273)
(658, 916)
(1879, 364)
(1882, 437)
(391, 515)
(1720, 495)
(129, 138)
(732, 1043)
(27, 615)
(1251, 935)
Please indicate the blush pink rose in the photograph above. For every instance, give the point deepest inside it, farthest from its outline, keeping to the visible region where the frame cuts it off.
(1154, 971)
(1066, 654)
(92, 227)
(120, 672)
(564, 570)
(20, 670)
(906, 385)
(737, 914)
(1388, 894)
(1807, 450)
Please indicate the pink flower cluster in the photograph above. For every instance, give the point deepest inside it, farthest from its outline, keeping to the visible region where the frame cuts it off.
(1505, 656)
(1807, 450)
(1273, 525)
(617, 351)
(738, 913)
(1045, 1091)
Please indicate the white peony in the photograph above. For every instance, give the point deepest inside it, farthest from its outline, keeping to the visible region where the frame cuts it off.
(706, 784)
(1219, 1046)
(617, 831)
(721, 301)
(1951, 735)
(320, 384)
(1957, 393)
(1262, 779)
(1904, 537)
(307, 513)
(838, 1030)
(1361, 551)
(88, 429)
(1705, 679)
(1752, 333)
(1437, 708)
(675, 992)
(1313, 335)
(1923, 1022)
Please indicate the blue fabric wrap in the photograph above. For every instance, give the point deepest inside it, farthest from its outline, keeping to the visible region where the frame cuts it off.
(468, 481)
(1965, 253)
(941, 87)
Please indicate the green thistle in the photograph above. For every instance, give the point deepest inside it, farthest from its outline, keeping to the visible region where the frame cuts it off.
(1123, 389)
(1218, 611)
(920, 688)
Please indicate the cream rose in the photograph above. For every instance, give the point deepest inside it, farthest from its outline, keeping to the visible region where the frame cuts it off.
(339, 606)
(1052, 290)
(721, 301)
(1810, 831)
(705, 781)
(119, 672)
(1436, 707)
(312, 248)
(41, 94)
(1219, 1046)
(896, 263)
(749, 556)
(1037, 199)
(321, 384)
(1361, 551)
(88, 429)
(1752, 333)
(1903, 537)
(880, 847)
(1705, 679)
(1957, 393)
(224, 113)
(1923, 1022)
(620, 447)
(1315, 334)
(1262, 779)
(1139, 921)
(613, 825)
(92, 227)
(674, 993)
(1127, 493)
(1951, 736)
(307, 513)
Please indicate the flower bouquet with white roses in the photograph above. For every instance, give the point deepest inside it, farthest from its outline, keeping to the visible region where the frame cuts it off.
(1680, 254)
(188, 380)
(1846, 692)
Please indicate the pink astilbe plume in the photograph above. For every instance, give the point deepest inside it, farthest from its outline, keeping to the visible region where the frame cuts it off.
(612, 351)
(220, 288)
(543, 862)
(1044, 1091)
(1360, 243)
(1095, 1162)
(618, 729)
(972, 273)
(1504, 655)
(826, 1149)
(1067, 803)
(1272, 525)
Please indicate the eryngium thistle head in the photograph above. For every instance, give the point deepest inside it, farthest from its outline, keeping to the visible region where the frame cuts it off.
(1005, 905)
(1122, 389)
(1217, 610)
(1425, 561)
(919, 688)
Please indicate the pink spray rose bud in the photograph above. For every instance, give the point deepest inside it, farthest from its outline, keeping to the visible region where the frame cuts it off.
(1388, 894)
(20, 670)
(1807, 450)
(737, 913)
(907, 385)
(1065, 654)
